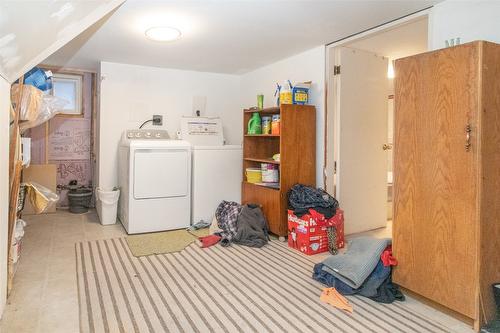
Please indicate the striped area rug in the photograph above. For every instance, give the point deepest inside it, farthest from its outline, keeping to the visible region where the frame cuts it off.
(235, 289)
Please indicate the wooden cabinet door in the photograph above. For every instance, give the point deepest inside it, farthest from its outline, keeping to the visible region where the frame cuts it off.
(435, 176)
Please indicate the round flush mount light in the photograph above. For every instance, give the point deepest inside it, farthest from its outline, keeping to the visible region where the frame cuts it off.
(163, 34)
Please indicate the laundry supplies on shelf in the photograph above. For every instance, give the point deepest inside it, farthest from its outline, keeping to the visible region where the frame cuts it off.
(275, 124)
(270, 173)
(266, 124)
(254, 175)
(289, 94)
(300, 93)
(286, 93)
(254, 124)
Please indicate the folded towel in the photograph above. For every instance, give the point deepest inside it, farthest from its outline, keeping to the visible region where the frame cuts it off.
(358, 262)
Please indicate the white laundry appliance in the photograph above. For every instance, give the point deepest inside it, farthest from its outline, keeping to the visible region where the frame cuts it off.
(154, 174)
(217, 168)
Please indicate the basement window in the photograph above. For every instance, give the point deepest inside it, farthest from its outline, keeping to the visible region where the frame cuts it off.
(69, 88)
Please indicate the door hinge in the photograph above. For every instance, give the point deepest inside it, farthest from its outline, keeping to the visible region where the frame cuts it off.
(336, 70)
(335, 167)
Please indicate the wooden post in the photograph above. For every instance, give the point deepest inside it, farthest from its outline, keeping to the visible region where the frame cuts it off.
(13, 200)
(15, 129)
(15, 170)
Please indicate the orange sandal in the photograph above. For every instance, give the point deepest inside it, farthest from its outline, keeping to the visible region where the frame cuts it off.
(333, 297)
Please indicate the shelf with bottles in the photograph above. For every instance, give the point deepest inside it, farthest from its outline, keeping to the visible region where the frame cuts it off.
(297, 138)
(272, 186)
(263, 135)
(262, 123)
(270, 110)
(261, 160)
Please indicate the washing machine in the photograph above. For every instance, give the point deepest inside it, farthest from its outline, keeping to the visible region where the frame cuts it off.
(217, 168)
(154, 175)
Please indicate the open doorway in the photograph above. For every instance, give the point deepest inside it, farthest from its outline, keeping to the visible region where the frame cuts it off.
(359, 134)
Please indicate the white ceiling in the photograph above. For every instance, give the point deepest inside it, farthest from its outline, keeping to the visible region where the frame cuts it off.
(224, 36)
(398, 42)
(32, 30)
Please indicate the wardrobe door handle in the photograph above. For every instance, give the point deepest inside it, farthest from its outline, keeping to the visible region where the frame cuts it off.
(468, 130)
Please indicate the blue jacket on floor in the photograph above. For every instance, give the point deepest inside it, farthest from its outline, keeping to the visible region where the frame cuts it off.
(367, 289)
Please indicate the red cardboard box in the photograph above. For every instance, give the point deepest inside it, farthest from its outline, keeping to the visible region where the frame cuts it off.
(308, 233)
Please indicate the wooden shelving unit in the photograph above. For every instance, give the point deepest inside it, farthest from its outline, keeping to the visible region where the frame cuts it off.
(296, 145)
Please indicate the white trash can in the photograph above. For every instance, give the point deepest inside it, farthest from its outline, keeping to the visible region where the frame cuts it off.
(107, 201)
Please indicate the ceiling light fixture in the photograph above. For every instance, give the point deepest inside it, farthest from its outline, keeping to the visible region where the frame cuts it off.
(163, 34)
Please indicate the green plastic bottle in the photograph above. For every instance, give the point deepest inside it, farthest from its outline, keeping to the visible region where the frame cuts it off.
(254, 124)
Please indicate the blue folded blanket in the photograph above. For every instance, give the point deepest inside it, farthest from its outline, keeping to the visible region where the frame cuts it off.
(358, 262)
(369, 287)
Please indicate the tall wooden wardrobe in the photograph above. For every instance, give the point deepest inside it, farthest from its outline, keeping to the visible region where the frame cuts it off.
(446, 227)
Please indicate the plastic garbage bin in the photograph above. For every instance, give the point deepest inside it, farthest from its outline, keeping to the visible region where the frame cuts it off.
(79, 200)
(108, 202)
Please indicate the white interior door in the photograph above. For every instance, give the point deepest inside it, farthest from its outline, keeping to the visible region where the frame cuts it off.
(360, 103)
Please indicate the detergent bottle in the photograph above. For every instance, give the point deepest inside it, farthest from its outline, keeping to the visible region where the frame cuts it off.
(286, 93)
(254, 124)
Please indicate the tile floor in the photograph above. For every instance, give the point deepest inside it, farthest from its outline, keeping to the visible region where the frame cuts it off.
(44, 297)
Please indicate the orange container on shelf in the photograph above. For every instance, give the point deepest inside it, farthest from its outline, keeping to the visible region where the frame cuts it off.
(275, 124)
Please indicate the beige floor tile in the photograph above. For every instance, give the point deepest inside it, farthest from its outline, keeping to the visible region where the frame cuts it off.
(90, 217)
(31, 266)
(62, 319)
(29, 277)
(61, 270)
(26, 296)
(60, 289)
(65, 241)
(19, 321)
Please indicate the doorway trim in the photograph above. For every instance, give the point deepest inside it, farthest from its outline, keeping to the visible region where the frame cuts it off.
(330, 130)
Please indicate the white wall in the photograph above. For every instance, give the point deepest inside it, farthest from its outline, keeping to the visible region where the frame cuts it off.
(306, 66)
(132, 94)
(469, 20)
(4, 186)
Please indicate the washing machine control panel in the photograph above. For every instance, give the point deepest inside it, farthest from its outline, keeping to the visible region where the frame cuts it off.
(147, 134)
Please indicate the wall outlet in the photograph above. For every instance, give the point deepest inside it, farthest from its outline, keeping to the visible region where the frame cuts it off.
(157, 120)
